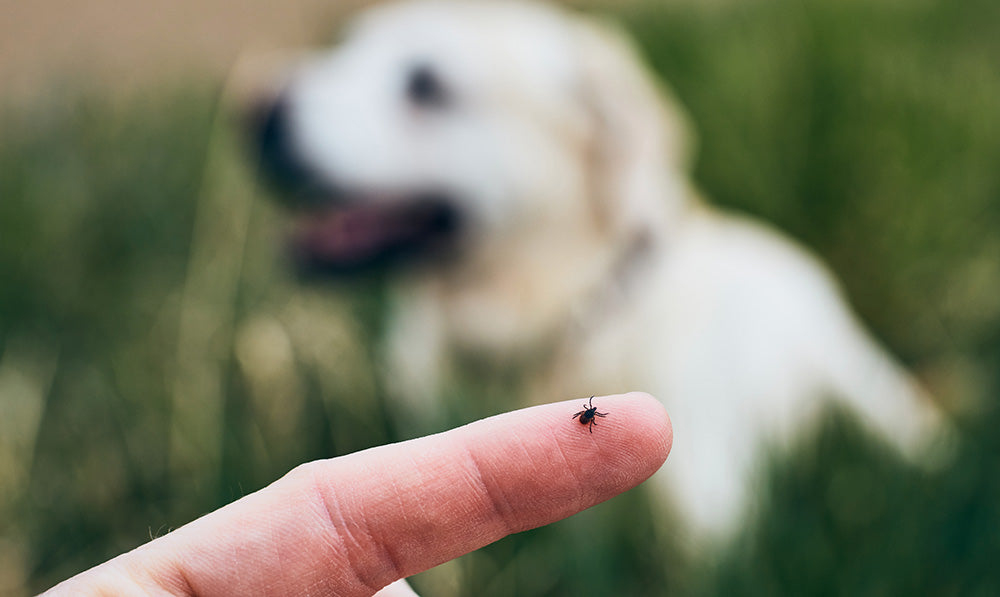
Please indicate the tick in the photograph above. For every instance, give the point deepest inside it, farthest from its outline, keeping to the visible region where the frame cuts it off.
(588, 415)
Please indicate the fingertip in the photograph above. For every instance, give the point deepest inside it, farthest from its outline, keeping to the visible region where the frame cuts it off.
(654, 419)
(642, 432)
(628, 444)
(641, 416)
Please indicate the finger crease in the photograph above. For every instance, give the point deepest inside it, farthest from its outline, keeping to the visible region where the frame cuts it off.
(344, 541)
(500, 506)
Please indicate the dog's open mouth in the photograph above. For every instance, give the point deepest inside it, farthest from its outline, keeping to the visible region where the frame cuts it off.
(360, 235)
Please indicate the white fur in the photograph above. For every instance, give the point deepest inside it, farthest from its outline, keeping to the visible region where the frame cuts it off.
(565, 151)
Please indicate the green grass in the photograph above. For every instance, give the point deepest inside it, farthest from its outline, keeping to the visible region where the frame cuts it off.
(137, 260)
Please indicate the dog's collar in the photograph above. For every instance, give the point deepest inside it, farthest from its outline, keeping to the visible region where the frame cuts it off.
(610, 293)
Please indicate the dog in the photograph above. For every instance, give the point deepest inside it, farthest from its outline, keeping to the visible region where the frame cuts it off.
(525, 181)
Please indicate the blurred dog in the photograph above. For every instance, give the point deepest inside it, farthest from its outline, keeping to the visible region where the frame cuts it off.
(527, 181)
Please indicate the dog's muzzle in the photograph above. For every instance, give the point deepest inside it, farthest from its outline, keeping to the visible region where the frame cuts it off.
(344, 231)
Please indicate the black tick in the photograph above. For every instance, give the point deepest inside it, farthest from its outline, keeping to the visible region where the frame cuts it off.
(588, 415)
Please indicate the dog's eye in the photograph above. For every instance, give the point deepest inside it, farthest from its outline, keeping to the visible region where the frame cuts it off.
(425, 89)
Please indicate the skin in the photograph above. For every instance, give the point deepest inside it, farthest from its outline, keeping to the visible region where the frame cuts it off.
(354, 524)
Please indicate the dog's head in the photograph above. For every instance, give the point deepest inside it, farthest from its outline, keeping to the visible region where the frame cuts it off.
(438, 125)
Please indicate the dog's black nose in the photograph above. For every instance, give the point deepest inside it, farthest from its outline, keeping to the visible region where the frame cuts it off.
(276, 146)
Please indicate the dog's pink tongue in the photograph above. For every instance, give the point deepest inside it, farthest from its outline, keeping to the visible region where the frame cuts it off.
(348, 234)
(339, 235)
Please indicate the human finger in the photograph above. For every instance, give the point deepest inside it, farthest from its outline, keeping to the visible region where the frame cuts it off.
(352, 525)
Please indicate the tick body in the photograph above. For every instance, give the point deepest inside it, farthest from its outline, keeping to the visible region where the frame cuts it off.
(589, 414)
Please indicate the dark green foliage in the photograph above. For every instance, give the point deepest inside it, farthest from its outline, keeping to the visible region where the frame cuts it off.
(868, 130)
(95, 213)
(96, 219)
(845, 519)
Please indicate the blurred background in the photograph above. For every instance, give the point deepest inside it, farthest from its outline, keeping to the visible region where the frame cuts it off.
(158, 360)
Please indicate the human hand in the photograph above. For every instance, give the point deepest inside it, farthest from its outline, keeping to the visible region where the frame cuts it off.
(354, 524)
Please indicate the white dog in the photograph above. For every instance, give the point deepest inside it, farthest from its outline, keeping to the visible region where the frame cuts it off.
(534, 180)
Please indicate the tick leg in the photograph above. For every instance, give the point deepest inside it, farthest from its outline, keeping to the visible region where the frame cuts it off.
(601, 414)
(579, 413)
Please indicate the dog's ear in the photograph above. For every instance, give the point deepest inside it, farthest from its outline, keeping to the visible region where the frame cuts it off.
(641, 140)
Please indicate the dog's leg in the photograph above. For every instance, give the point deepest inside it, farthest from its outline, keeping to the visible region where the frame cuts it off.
(864, 375)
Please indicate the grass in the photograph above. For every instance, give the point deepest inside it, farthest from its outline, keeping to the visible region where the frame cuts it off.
(868, 130)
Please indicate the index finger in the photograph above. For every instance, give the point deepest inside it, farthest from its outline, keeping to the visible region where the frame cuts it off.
(351, 525)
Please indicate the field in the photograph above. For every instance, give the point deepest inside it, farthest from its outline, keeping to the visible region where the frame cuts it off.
(158, 360)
